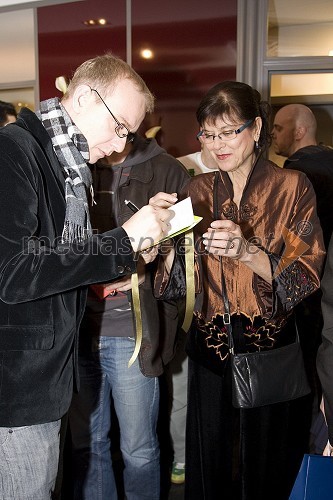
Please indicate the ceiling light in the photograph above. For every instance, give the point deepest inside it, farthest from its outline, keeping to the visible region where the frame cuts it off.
(95, 22)
(147, 54)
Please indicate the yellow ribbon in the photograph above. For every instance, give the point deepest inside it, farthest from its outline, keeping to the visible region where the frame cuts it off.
(189, 274)
(137, 316)
(190, 295)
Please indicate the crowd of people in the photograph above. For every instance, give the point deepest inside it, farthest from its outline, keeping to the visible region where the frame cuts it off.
(88, 198)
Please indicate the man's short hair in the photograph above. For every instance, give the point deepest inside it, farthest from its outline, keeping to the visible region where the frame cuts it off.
(104, 72)
(6, 108)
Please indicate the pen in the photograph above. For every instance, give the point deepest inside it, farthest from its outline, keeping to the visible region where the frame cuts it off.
(131, 206)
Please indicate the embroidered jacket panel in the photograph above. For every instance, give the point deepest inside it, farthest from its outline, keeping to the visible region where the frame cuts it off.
(277, 213)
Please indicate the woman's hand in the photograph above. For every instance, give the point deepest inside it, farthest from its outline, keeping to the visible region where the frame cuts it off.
(150, 254)
(167, 251)
(328, 451)
(225, 238)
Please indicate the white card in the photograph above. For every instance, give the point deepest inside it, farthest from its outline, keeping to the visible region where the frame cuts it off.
(183, 216)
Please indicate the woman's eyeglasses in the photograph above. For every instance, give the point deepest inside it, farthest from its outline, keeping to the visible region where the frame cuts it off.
(226, 135)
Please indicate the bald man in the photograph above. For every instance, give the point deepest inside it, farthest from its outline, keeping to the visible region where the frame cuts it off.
(294, 136)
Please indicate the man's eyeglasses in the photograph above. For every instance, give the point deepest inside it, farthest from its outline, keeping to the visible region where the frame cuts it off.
(121, 129)
(226, 135)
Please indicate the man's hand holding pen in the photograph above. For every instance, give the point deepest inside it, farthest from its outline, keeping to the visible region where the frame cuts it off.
(131, 206)
(151, 222)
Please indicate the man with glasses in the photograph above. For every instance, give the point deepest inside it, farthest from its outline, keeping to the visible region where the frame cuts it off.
(49, 255)
(120, 129)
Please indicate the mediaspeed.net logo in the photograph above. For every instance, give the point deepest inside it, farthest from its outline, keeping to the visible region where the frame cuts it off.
(295, 247)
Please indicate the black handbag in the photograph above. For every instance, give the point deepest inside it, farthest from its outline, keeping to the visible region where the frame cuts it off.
(264, 377)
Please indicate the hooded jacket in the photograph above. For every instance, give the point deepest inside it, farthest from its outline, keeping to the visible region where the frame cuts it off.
(147, 170)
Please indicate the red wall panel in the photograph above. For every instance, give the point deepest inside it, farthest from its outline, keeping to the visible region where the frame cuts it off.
(190, 57)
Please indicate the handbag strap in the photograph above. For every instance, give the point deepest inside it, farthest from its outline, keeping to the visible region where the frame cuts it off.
(226, 315)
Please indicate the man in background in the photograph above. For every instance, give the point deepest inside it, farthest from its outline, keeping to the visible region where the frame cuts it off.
(199, 162)
(294, 136)
(7, 113)
(107, 339)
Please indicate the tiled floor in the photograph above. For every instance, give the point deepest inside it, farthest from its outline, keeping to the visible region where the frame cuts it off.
(176, 492)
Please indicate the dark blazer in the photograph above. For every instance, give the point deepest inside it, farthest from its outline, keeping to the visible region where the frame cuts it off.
(42, 282)
(317, 163)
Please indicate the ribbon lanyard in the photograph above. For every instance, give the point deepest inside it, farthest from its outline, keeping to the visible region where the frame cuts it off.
(137, 316)
(189, 276)
(190, 295)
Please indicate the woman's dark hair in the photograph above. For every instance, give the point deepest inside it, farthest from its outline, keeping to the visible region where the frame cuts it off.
(237, 101)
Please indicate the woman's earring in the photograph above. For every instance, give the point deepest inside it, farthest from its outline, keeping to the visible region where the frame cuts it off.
(257, 145)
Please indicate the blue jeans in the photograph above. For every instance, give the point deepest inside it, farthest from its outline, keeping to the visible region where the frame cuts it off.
(29, 461)
(104, 371)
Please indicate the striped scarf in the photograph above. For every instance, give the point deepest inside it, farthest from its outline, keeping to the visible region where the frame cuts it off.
(72, 151)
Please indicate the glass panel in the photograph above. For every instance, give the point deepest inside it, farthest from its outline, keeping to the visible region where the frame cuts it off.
(302, 84)
(192, 49)
(300, 28)
(19, 97)
(181, 49)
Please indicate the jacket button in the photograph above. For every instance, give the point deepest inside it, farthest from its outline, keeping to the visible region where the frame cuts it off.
(121, 269)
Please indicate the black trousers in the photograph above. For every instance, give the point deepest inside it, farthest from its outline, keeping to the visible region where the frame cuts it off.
(237, 454)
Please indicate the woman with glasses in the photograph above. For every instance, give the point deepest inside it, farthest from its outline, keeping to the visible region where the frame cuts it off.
(259, 235)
